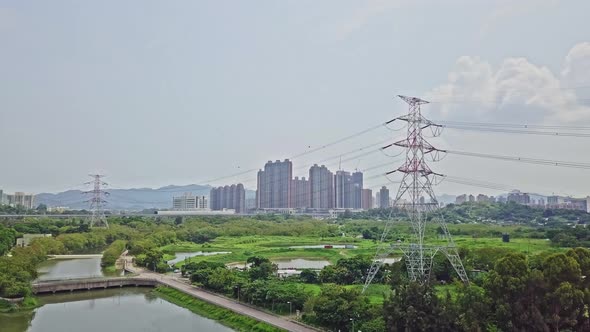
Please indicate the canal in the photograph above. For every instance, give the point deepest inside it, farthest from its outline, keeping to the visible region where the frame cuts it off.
(127, 309)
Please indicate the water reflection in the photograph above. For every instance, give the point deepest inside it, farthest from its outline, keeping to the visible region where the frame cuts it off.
(180, 256)
(127, 309)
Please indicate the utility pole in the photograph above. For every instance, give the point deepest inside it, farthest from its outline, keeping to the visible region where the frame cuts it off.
(97, 201)
(416, 198)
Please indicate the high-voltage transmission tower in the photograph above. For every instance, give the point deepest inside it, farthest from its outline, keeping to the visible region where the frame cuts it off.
(97, 201)
(416, 198)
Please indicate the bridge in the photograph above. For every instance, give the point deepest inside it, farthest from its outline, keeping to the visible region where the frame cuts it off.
(74, 256)
(77, 284)
(143, 278)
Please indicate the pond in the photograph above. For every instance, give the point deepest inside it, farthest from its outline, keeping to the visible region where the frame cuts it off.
(324, 246)
(180, 256)
(290, 264)
(127, 309)
(71, 268)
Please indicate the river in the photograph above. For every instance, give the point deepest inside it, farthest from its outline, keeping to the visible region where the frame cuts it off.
(70, 268)
(126, 309)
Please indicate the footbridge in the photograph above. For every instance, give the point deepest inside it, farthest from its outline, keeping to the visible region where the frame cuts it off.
(78, 284)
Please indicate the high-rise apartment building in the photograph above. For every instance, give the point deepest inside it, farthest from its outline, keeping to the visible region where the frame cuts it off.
(274, 185)
(321, 186)
(342, 190)
(367, 199)
(300, 193)
(518, 197)
(228, 197)
(357, 190)
(348, 190)
(21, 199)
(188, 202)
(384, 197)
(461, 199)
(559, 202)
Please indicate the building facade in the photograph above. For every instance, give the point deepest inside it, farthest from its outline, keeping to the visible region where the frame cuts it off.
(519, 198)
(384, 198)
(273, 188)
(357, 190)
(348, 190)
(321, 187)
(188, 202)
(21, 199)
(367, 199)
(300, 193)
(342, 190)
(231, 197)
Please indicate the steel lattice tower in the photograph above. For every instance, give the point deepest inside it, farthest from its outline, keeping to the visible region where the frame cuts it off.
(416, 198)
(97, 201)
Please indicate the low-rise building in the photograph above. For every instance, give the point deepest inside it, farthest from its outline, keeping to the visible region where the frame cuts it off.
(25, 241)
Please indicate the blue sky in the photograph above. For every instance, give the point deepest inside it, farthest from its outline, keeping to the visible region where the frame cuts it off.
(154, 93)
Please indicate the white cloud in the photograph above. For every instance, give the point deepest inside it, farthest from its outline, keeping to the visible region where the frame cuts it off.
(576, 68)
(517, 90)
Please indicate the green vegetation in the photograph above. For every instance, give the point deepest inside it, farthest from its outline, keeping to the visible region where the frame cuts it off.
(532, 282)
(113, 252)
(224, 316)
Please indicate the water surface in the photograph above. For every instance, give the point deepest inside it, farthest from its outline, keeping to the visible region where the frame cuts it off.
(127, 309)
(289, 264)
(180, 256)
(70, 268)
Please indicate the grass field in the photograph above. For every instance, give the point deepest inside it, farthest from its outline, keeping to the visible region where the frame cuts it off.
(273, 247)
(277, 247)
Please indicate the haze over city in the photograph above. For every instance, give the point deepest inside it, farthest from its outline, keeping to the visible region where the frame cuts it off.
(304, 166)
(152, 94)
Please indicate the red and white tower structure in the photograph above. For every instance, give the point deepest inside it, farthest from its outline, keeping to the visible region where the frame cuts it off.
(416, 198)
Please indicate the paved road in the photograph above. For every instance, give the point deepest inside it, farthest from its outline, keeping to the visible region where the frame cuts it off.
(234, 306)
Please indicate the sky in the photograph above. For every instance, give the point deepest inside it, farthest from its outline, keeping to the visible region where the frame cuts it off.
(154, 93)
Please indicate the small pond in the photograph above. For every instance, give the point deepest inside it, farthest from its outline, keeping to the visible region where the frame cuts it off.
(180, 256)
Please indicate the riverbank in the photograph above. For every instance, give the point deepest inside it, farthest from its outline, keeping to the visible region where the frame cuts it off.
(221, 315)
(28, 303)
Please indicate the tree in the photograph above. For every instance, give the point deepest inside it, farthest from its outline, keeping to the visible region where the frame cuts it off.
(42, 208)
(308, 276)
(558, 268)
(516, 294)
(415, 307)
(221, 279)
(472, 308)
(261, 268)
(336, 306)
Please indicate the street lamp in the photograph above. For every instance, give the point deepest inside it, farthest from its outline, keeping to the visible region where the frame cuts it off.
(290, 308)
(352, 327)
(238, 288)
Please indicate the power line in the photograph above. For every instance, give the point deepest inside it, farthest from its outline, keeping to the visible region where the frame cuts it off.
(512, 125)
(546, 162)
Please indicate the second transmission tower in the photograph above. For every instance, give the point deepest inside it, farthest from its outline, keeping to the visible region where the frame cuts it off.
(97, 201)
(416, 198)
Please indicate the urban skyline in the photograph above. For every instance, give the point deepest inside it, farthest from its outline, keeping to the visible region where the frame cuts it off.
(491, 69)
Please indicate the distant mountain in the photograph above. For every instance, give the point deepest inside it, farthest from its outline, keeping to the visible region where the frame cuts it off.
(135, 199)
